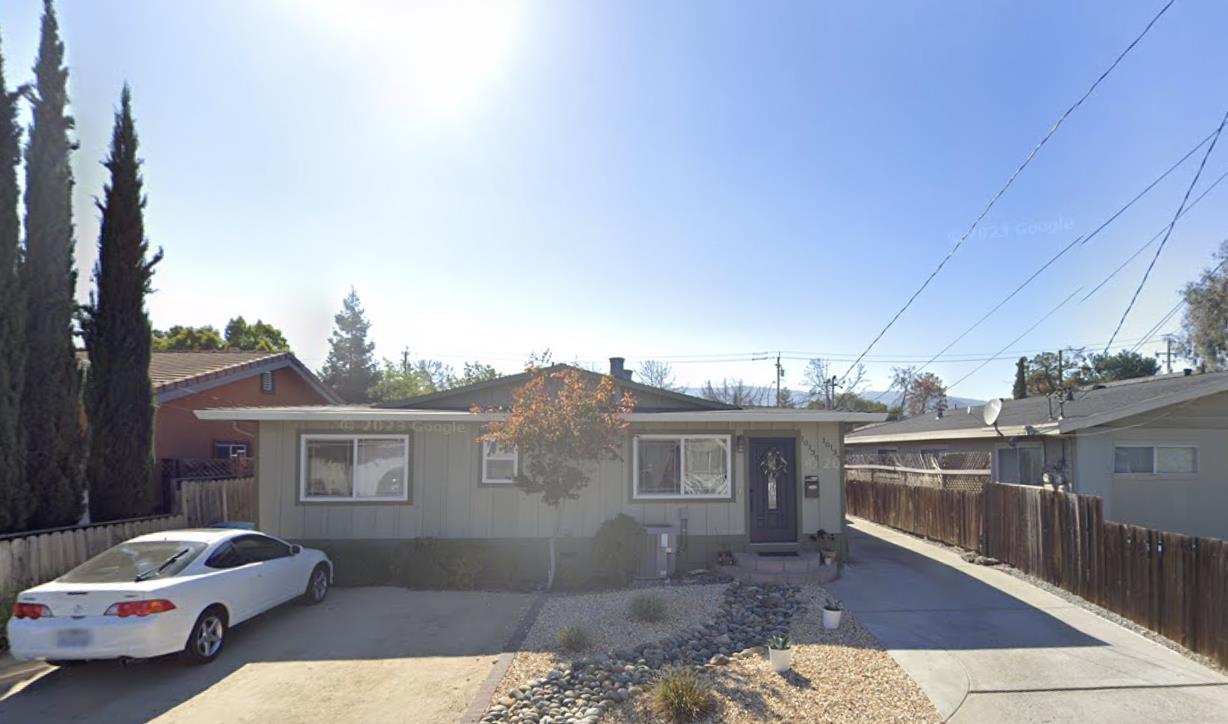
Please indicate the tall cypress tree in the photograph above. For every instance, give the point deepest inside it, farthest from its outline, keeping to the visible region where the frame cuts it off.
(1020, 390)
(350, 367)
(14, 492)
(50, 403)
(119, 398)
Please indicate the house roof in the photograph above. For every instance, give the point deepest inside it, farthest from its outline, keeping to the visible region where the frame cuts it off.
(461, 398)
(179, 374)
(364, 413)
(1091, 405)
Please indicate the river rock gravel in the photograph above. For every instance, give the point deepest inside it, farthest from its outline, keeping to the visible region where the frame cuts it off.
(838, 676)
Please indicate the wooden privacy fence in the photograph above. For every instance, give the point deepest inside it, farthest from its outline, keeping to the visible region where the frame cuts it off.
(28, 559)
(1173, 584)
(205, 502)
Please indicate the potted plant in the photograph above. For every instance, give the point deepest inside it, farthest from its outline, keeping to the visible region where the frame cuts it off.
(832, 610)
(779, 653)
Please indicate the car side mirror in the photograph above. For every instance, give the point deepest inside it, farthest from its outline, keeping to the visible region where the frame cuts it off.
(296, 549)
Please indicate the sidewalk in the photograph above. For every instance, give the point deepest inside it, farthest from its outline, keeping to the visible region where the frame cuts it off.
(986, 646)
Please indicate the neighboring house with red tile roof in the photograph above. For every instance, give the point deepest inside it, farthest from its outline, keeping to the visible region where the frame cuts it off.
(187, 447)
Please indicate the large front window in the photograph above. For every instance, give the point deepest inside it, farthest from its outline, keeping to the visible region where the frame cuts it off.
(682, 466)
(340, 468)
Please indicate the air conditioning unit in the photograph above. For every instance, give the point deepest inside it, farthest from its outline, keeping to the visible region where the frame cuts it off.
(660, 553)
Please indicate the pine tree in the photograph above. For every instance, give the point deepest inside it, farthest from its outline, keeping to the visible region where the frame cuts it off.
(119, 398)
(50, 404)
(350, 367)
(14, 493)
(1021, 379)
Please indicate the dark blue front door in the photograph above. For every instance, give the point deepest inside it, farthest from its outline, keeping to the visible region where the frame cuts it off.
(773, 489)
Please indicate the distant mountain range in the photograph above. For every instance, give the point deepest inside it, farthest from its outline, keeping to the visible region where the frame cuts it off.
(893, 396)
(887, 397)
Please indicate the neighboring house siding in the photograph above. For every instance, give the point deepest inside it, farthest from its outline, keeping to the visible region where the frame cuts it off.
(447, 501)
(178, 433)
(1192, 504)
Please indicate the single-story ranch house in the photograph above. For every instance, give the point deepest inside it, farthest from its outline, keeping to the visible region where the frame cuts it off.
(722, 477)
(1154, 448)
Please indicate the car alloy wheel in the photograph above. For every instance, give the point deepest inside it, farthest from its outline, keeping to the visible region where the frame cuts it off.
(318, 588)
(209, 635)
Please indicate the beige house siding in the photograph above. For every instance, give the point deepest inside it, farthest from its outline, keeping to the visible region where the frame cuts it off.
(447, 501)
(1191, 504)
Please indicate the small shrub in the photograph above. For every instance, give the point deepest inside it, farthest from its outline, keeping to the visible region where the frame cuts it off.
(647, 608)
(617, 548)
(780, 643)
(573, 639)
(681, 695)
(461, 567)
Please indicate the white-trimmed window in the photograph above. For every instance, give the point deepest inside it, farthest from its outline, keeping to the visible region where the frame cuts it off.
(499, 464)
(354, 468)
(682, 466)
(1155, 460)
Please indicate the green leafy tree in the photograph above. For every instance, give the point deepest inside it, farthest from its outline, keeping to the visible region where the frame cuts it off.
(350, 367)
(562, 424)
(1049, 372)
(401, 380)
(1204, 337)
(257, 337)
(188, 339)
(14, 492)
(1124, 365)
(119, 402)
(1020, 389)
(50, 406)
(475, 372)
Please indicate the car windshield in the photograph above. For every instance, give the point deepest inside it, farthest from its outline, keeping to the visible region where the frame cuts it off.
(127, 561)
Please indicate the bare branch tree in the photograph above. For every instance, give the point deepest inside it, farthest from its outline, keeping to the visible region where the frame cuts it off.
(657, 374)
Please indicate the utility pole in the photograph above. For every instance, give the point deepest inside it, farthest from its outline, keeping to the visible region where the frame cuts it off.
(779, 371)
(1168, 353)
(1061, 380)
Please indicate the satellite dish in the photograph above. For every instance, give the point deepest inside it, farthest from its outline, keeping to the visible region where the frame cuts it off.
(991, 411)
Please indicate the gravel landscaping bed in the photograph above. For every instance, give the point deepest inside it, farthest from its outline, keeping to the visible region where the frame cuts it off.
(840, 675)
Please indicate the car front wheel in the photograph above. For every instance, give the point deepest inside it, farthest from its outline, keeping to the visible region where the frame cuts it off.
(207, 637)
(317, 586)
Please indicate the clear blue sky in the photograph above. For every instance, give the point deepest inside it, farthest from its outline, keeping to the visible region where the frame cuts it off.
(648, 179)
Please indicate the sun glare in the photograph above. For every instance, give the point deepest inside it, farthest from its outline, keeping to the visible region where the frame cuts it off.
(440, 56)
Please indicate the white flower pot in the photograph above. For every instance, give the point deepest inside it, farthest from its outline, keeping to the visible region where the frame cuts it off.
(781, 659)
(831, 619)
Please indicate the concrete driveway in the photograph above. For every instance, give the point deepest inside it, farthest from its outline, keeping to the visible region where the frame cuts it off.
(986, 646)
(364, 655)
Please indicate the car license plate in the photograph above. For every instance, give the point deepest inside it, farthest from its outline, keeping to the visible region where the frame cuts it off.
(73, 638)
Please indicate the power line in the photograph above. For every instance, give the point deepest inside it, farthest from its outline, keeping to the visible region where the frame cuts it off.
(1172, 312)
(1026, 332)
(1167, 233)
(1007, 185)
(1079, 241)
(1152, 240)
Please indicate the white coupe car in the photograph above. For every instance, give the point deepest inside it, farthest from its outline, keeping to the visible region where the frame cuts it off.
(175, 591)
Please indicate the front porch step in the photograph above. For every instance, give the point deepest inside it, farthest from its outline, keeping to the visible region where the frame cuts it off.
(804, 568)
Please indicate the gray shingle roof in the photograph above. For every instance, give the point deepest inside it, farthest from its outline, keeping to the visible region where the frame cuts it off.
(1091, 405)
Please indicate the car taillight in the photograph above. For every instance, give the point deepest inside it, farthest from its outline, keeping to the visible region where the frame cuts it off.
(140, 608)
(31, 610)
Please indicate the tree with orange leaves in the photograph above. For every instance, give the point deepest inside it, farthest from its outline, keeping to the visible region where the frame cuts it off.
(562, 424)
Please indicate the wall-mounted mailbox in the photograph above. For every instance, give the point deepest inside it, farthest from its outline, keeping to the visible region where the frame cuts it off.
(810, 486)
